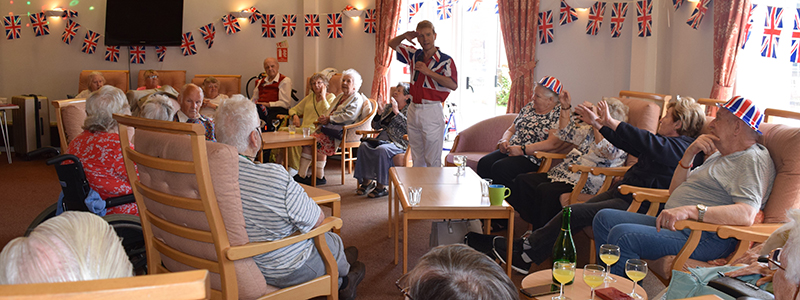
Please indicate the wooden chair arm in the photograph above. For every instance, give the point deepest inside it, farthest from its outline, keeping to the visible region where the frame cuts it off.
(616, 171)
(627, 189)
(363, 132)
(756, 233)
(697, 226)
(691, 243)
(548, 155)
(580, 169)
(281, 116)
(405, 137)
(253, 249)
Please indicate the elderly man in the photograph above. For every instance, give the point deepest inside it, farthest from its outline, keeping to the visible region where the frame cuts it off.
(729, 188)
(94, 81)
(190, 100)
(275, 206)
(273, 93)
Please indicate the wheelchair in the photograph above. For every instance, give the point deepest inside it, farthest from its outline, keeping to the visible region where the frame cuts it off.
(76, 188)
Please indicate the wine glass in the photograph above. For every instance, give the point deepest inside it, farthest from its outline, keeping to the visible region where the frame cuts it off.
(609, 254)
(275, 123)
(459, 161)
(636, 269)
(563, 272)
(593, 276)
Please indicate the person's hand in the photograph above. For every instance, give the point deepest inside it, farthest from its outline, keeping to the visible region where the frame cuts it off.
(205, 103)
(586, 113)
(296, 120)
(515, 151)
(704, 143)
(410, 36)
(394, 106)
(754, 268)
(422, 68)
(565, 99)
(667, 218)
(323, 120)
(503, 146)
(603, 113)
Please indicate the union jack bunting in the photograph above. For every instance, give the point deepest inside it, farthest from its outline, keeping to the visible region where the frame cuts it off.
(474, 6)
(312, 25)
(444, 9)
(161, 52)
(230, 24)
(496, 9)
(772, 31)
(568, 14)
(187, 44)
(370, 21)
(69, 14)
(12, 27)
(749, 24)
(795, 55)
(698, 13)
(39, 24)
(595, 18)
(545, 26)
(677, 4)
(90, 42)
(208, 32)
(268, 25)
(255, 16)
(70, 31)
(112, 53)
(618, 13)
(644, 17)
(137, 54)
(413, 9)
(335, 26)
(289, 24)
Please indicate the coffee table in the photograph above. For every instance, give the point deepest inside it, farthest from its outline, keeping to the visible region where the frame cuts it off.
(282, 139)
(578, 290)
(444, 196)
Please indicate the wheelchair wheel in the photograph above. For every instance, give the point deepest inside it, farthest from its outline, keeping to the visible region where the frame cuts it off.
(129, 228)
(47, 213)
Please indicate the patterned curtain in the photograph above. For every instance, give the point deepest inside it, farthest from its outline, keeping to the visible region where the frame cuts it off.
(730, 18)
(388, 12)
(518, 23)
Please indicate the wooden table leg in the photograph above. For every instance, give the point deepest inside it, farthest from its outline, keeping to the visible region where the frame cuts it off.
(405, 243)
(286, 158)
(396, 226)
(510, 241)
(487, 226)
(391, 196)
(314, 163)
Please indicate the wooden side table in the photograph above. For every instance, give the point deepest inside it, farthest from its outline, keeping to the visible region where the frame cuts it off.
(578, 290)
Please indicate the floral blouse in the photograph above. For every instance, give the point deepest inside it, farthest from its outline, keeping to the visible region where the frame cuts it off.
(588, 153)
(532, 127)
(394, 126)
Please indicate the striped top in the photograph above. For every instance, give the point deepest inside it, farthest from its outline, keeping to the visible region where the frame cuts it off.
(274, 207)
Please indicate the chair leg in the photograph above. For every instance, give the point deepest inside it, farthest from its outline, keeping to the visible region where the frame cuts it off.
(343, 161)
(592, 252)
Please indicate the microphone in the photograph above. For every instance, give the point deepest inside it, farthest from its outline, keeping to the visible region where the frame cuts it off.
(416, 75)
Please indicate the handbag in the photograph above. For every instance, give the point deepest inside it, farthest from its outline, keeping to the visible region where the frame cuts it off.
(332, 130)
(448, 232)
(373, 142)
(736, 288)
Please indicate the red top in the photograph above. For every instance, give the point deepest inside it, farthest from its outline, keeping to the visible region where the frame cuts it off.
(269, 92)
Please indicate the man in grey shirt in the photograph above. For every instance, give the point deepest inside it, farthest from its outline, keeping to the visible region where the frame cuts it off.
(728, 189)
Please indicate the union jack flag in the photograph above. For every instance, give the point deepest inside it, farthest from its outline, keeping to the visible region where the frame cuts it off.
(474, 6)
(289, 24)
(677, 4)
(335, 26)
(545, 26)
(644, 11)
(772, 31)
(312, 25)
(39, 23)
(187, 44)
(230, 24)
(268, 25)
(618, 13)
(90, 42)
(112, 53)
(370, 21)
(568, 14)
(413, 9)
(444, 9)
(70, 31)
(69, 14)
(161, 52)
(698, 13)
(795, 54)
(595, 18)
(12, 27)
(496, 9)
(208, 32)
(137, 54)
(255, 16)
(749, 24)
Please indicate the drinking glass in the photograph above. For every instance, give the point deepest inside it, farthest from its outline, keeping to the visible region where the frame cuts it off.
(275, 123)
(414, 195)
(459, 161)
(636, 269)
(563, 272)
(609, 254)
(593, 276)
(292, 129)
(306, 132)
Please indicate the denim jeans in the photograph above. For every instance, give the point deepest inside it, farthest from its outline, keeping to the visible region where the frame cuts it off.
(636, 236)
(314, 267)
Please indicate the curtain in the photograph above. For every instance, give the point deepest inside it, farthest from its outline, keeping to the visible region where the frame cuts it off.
(518, 24)
(730, 18)
(388, 12)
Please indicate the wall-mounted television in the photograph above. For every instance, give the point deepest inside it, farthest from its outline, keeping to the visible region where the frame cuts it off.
(144, 22)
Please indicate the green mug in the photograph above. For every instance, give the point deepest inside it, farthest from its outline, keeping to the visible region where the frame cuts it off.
(498, 193)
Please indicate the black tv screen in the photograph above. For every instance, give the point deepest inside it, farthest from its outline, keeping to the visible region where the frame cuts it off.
(144, 22)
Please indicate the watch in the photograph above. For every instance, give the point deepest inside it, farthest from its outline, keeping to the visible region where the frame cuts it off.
(523, 150)
(701, 212)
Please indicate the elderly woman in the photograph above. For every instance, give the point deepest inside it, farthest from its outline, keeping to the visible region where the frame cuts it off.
(375, 156)
(150, 80)
(346, 109)
(212, 98)
(99, 150)
(308, 110)
(158, 107)
(94, 81)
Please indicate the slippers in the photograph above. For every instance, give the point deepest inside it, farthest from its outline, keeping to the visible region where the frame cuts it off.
(366, 189)
(378, 193)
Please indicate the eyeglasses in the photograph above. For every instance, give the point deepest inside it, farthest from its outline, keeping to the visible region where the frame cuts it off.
(400, 283)
(774, 259)
(152, 76)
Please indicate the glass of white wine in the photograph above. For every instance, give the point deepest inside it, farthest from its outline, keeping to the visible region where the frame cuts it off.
(275, 123)
(636, 269)
(609, 254)
(459, 161)
(593, 276)
(563, 272)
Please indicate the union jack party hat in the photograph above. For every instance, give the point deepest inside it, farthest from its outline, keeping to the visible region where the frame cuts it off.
(551, 83)
(746, 110)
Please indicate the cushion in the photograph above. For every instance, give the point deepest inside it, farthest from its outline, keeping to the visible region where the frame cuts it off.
(73, 116)
(174, 78)
(642, 114)
(117, 78)
(472, 158)
(228, 84)
(483, 136)
(782, 142)
(335, 84)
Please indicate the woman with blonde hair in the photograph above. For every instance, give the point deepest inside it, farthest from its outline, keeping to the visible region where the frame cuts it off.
(308, 110)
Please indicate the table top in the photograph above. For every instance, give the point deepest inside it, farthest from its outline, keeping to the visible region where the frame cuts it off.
(283, 136)
(441, 190)
(578, 290)
(4, 106)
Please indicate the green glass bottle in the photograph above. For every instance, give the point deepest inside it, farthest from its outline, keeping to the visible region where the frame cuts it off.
(564, 248)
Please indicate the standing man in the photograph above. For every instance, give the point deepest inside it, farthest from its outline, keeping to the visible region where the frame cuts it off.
(190, 100)
(434, 76)
(273, 93)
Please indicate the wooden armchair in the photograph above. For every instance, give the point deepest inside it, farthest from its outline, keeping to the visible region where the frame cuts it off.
(659, 99)
(70, 115)
(352, 139)
(187, 191)
(710, 105)
(400, 160)
(118, 78)
(173, 78)
(228, 84)
(772, 115)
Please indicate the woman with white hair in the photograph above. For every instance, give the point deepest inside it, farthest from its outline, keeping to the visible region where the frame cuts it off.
(211, 97)
(158, 107)
(94, 81)
(99, 149)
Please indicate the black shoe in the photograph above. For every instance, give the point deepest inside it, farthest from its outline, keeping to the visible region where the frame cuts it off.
(499, 225)
(351, 254)
(320, 181)
(354, 277)
(365, 189)
(517, 263)
(303, 180)
(480, 242)
(377, 193)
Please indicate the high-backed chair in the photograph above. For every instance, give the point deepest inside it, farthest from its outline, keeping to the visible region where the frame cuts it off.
(228, 84)
(660, 99)
(334, 84)
(174, 78)
(117, 78)
(710, 105)
(352, 139)
(479, 139)
(187, 191)
(772, 115)
(190, 285)
(70, 115)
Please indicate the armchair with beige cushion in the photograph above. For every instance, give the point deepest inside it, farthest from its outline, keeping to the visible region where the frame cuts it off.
(70, 115)
(479, 139)
(174, 78)
(228, 84)
(351, 138)
(117, 78)
(659, 99)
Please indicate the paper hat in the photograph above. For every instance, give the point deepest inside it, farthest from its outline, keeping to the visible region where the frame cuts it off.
(551, 83)
(746, 110)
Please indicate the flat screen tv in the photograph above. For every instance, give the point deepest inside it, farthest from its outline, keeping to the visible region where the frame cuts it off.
(144, 22)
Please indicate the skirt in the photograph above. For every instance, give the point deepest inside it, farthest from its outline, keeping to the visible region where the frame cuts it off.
(374, 163)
